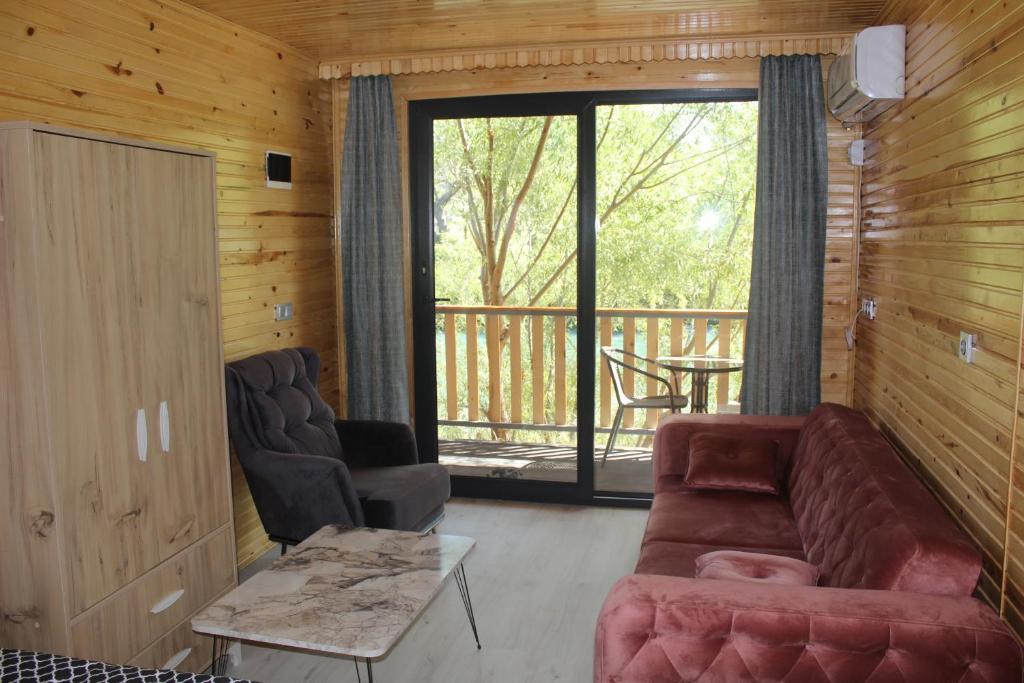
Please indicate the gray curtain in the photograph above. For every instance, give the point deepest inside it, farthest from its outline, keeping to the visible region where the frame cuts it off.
(782, 354)
(371, 256)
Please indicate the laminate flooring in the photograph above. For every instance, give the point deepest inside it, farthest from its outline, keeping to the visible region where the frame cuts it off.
(538, 577)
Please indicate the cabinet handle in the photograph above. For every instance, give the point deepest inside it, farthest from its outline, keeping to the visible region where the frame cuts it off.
(141, 437)
(177, 659)
(165, 427)
(166, 601)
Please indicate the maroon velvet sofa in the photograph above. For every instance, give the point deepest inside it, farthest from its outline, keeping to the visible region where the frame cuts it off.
(894, 599)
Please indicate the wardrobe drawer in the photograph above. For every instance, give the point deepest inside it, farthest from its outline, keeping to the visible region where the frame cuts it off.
(182, 650)
(123, 625)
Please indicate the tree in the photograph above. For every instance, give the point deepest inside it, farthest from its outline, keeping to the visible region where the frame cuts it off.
(675, 208)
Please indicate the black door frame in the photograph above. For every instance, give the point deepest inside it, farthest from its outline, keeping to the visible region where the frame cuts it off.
(583, 105)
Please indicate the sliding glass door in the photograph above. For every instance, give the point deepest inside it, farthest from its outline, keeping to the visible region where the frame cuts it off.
(516, 286)
(675, 217)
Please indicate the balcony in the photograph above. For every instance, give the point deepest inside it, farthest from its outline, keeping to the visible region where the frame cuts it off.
(507, 387)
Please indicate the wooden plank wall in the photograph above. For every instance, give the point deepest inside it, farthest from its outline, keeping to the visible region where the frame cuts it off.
(163, 70)
(942, 250)
(844, 179)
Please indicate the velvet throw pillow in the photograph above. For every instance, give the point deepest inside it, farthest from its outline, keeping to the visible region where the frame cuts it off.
(732, 463)
(736, 565)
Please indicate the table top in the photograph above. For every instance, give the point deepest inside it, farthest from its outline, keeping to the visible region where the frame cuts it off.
(348, 591)
(699, 363)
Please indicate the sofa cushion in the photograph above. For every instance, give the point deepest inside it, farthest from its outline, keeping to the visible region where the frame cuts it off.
(672, 442)
(738, 565)
(403, 498)
(866, 520)
(721, 461)
(723, 519)
(680, 559)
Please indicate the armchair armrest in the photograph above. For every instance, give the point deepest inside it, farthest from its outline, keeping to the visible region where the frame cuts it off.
(672, 441)
(296, 495)
(676, 629)
(374, 443)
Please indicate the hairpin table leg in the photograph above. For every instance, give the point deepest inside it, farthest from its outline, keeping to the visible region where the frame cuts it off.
(369, 669)
(463, 584)
(218, 665)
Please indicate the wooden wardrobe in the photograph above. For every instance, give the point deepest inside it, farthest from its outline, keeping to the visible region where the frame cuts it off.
(116, 516)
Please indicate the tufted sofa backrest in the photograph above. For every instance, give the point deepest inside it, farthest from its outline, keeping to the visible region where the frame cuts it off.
(865, 519)
(273, 404)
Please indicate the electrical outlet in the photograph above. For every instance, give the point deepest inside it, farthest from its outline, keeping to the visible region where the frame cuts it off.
(284, 311)
(869, 307)
(968, 343)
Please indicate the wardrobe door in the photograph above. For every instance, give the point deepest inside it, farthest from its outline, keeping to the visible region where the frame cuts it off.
(92, 256)
(31, 601)
(191, 460)
(201, 352)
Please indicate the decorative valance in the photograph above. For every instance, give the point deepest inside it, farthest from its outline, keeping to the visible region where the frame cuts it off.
(566, 55)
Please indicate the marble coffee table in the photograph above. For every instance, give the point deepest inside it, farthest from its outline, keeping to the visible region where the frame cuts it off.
(344, 591)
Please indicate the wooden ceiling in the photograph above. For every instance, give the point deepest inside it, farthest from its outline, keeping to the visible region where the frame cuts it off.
(361, 29)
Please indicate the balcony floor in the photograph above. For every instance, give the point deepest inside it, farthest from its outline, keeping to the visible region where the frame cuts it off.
(627, 469)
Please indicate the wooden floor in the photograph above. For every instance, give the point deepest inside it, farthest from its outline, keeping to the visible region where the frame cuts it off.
(538, 577)
(626, 469)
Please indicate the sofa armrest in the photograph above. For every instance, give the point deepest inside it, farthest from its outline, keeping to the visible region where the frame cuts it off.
(296, 495)
(662, 628)
(672, 441)
(373, 443)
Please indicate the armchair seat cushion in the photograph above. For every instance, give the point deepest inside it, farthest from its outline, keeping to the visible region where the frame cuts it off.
(404, 498)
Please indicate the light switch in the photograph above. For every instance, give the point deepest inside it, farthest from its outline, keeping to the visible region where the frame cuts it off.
(284, 311)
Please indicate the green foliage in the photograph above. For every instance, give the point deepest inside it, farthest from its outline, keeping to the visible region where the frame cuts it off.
(675, 200)
(481, 166)
(683, 238)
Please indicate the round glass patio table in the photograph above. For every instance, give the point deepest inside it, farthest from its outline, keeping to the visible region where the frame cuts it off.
(701, 368)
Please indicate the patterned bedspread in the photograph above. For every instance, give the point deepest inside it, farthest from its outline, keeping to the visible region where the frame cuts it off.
(21, 666)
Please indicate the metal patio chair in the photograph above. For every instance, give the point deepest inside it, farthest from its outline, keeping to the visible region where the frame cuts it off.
(617, 363)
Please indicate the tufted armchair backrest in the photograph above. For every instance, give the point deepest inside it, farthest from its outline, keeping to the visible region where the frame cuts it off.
(273, 404)
(865, 519)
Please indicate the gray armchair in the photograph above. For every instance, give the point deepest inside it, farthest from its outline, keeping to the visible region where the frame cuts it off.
(306, 469)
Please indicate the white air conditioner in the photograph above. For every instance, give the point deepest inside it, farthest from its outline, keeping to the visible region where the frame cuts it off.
(868, 77)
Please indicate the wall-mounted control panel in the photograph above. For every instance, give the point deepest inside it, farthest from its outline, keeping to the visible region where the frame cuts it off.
(285, 311)
(968, 344)
(279, 170)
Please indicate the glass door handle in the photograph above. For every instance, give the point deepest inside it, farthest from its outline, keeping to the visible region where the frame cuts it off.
(437, 301)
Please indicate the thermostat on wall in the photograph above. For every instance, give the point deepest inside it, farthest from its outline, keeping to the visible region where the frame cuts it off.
(279, 170)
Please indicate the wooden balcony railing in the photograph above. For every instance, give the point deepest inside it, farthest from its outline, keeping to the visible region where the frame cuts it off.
(528, 361)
